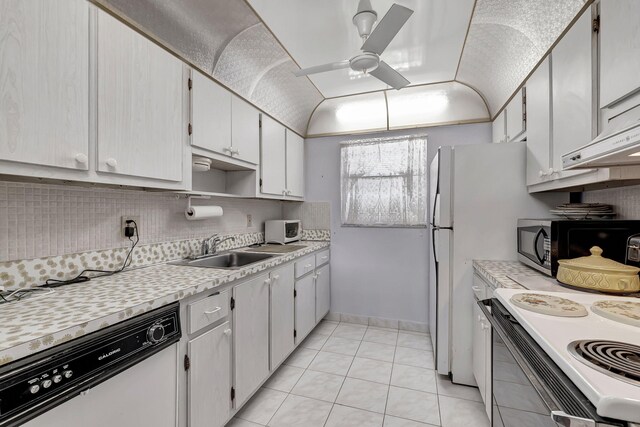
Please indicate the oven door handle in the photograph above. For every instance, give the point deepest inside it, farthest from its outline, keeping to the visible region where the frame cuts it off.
(540, 388)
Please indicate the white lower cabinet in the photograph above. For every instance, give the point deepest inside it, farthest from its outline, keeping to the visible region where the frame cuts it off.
(323, 291)
(305, 306)
(251, 336)
(209, 378)
(481, 348)
(236, 338)
(282, 314)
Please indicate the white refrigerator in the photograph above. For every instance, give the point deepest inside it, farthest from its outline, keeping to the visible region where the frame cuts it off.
(477, 193)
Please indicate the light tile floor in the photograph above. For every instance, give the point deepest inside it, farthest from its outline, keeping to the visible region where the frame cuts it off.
(345, 375)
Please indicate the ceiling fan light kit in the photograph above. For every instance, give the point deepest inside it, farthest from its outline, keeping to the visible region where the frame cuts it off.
(375, 42)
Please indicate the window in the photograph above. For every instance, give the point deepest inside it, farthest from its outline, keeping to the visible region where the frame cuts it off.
(384, 182)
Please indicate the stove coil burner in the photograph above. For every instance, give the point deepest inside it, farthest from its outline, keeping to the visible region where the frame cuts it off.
(617, 359)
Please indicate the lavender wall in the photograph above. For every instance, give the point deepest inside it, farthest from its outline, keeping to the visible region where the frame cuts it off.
(377, 272)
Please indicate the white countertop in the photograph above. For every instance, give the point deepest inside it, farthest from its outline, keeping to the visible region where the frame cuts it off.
(40, 322)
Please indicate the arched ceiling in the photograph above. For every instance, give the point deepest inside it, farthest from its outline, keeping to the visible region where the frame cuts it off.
(506, 39)
(253, 46)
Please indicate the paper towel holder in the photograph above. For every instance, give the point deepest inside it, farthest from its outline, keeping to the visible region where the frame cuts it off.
(189, 197)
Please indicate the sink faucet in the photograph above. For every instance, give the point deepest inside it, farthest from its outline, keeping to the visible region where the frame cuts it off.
(210, 244)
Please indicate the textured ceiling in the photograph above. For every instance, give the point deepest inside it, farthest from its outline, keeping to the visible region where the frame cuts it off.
(226, 39)
(506, 39)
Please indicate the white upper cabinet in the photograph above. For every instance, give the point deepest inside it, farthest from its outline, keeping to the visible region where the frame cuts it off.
(539, 128)
(272, 157)
(572, 92)
(211, 115)
(44, 83)
(499, 129)
(295, 165)
(619, 49)
(515, 117)
(245, 131)
(141, 126)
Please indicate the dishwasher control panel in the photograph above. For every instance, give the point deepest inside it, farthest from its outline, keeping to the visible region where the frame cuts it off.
(31, 386)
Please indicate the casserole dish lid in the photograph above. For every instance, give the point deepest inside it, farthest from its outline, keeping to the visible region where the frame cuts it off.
(598, 264)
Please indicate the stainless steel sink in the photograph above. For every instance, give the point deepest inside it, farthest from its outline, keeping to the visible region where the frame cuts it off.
(227, 261)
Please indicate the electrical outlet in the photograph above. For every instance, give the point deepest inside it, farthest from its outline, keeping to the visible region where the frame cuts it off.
(249, 221)
(123, 223)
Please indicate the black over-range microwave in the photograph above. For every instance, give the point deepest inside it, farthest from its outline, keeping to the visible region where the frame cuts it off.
(542, 242)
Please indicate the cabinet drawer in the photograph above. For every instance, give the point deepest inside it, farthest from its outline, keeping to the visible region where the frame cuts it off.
(207, 311)
(323, 257)
(305, 265)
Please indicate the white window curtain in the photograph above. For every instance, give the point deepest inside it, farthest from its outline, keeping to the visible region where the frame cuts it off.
(384, 182)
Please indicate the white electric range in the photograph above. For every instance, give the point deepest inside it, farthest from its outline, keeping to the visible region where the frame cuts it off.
(565, 341)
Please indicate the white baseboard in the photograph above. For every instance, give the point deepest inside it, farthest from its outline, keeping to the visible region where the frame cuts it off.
(378, 322)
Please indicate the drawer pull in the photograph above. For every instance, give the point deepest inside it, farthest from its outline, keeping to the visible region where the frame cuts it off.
(307, 266)
(324, 257)
(276, 277)
(267, 281)
(227, 332)
(217, 309)
(318, 273)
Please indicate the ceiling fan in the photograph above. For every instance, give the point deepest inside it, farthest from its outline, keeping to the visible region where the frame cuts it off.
(375, 42)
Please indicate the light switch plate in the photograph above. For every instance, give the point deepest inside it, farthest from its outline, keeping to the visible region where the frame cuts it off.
(249, 220)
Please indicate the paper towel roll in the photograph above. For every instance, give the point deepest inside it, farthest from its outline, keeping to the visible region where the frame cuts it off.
(194, 213)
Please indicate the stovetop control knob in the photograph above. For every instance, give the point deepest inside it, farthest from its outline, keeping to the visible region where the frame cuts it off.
(46, 383)
(34, 389)
(57, 378)
(155, 333)
(67, 374)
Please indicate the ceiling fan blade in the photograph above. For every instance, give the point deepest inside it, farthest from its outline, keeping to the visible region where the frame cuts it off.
(387, 29)
(322, 68)
(389, 76)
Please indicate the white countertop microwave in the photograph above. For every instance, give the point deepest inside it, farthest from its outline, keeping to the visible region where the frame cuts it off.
(282, 231)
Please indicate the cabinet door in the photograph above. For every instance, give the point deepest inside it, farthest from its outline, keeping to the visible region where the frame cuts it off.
(305, 306)
(619, 49)
(572, 94)
(272, 157)
(140, 114)
(44, 83)
(515, 116)
(295, 165)
(210, 115)
(245, 131)
(251, 336)
(209, 378)
(482, 356)
(323, 292)
(539, 124)
(499, 129)
(282, 314)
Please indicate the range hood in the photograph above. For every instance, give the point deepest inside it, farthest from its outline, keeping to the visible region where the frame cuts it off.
(618, 146)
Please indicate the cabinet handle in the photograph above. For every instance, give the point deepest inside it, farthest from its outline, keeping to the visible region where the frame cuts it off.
(217, 309)
(276, 277)
(236, 152)
(315, 277)
(228, 149)
(307, 266)
(82, 158)
(227, 332)
(318, 273)
(324, 257)
(551, 171)
(267, 281)
(112, 163)
(541, 173)
(483, 325)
